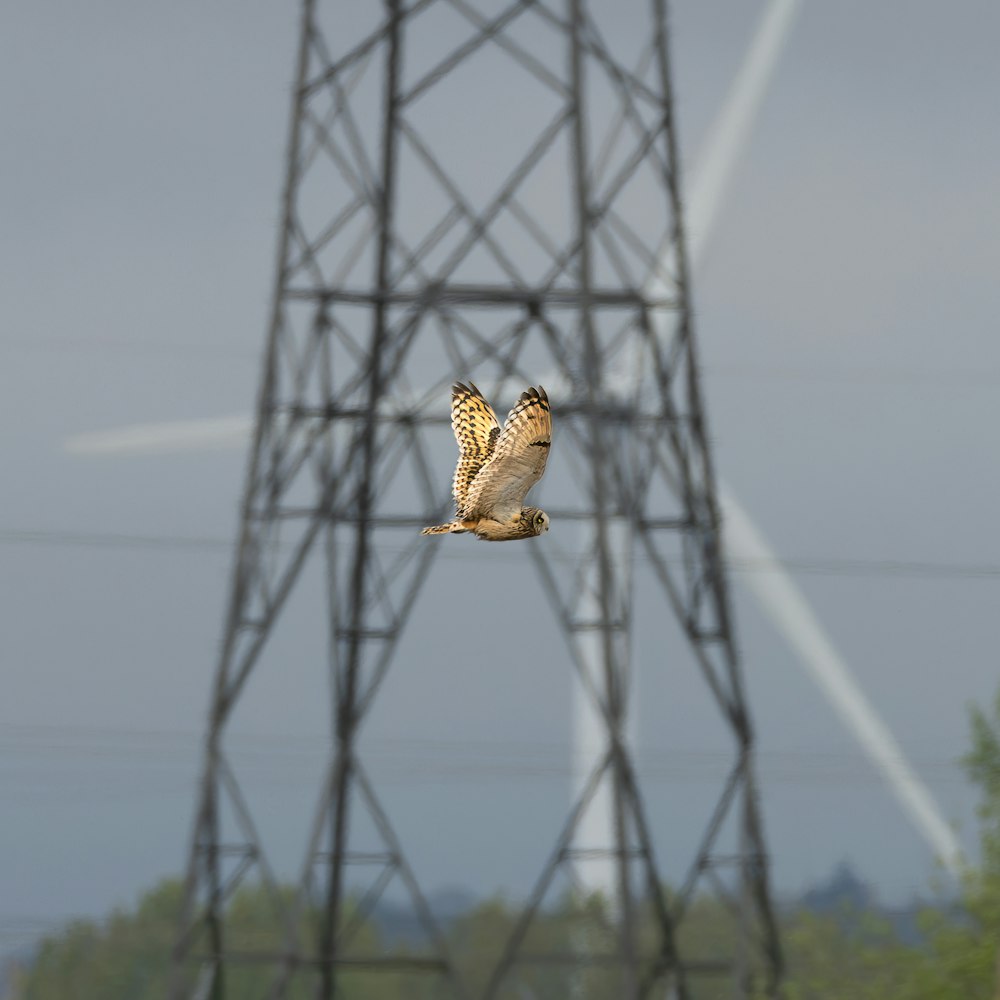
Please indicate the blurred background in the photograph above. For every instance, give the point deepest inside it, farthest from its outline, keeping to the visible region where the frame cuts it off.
(845, 309)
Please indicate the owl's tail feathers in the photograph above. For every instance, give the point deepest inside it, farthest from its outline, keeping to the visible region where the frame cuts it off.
(452, 527)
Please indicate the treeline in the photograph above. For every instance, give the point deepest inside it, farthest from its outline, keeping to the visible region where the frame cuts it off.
(952, 953)
(127, 956)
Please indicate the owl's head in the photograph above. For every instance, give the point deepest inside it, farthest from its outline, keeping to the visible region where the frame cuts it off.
(540, 522)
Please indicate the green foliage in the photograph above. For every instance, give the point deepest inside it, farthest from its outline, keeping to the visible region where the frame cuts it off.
(848, 955)
(859, 957)
(839, 956)
(982, 763)
(126, 956)
(866, 960)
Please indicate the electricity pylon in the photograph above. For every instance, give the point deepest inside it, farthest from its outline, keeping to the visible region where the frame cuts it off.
(549, 247)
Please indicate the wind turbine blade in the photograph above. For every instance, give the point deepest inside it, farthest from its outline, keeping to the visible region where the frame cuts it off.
(785, 605)
(776, 593)
(730, 131)
(725, 144)
(162, 438)
(724, 147)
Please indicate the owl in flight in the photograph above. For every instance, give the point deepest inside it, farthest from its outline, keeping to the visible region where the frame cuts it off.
(496, 468)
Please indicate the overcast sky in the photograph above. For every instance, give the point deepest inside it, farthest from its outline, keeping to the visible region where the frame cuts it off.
(846, 311)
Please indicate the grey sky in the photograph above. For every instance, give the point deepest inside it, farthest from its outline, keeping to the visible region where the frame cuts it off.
(846, 311)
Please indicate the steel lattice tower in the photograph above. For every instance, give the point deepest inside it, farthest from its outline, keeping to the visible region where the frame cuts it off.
(406, 261)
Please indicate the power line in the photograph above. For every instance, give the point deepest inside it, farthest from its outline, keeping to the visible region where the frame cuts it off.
(806, 565)
(959, 378)
(923, 378)
(120, 345)
(413, 759)
(831, 566)
(69, 538)
(287, 749)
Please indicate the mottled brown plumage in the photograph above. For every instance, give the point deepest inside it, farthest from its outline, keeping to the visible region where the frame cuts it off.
(476, 430)
(496, 468)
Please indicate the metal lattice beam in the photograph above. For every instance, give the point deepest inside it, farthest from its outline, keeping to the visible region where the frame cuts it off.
(398, 271)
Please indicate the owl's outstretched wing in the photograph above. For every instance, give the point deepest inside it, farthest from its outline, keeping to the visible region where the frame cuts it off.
(517, 460)
(476, 430)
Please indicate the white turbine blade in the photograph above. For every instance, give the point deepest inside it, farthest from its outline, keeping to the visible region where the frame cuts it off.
(730, 131)
(726, 142)
(215, 433)
(776, 592)
(163, 438)
(785, 605)
(724, 147)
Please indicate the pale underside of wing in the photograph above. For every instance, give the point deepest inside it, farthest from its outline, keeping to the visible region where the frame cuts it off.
(476, 430)
(516, 463)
